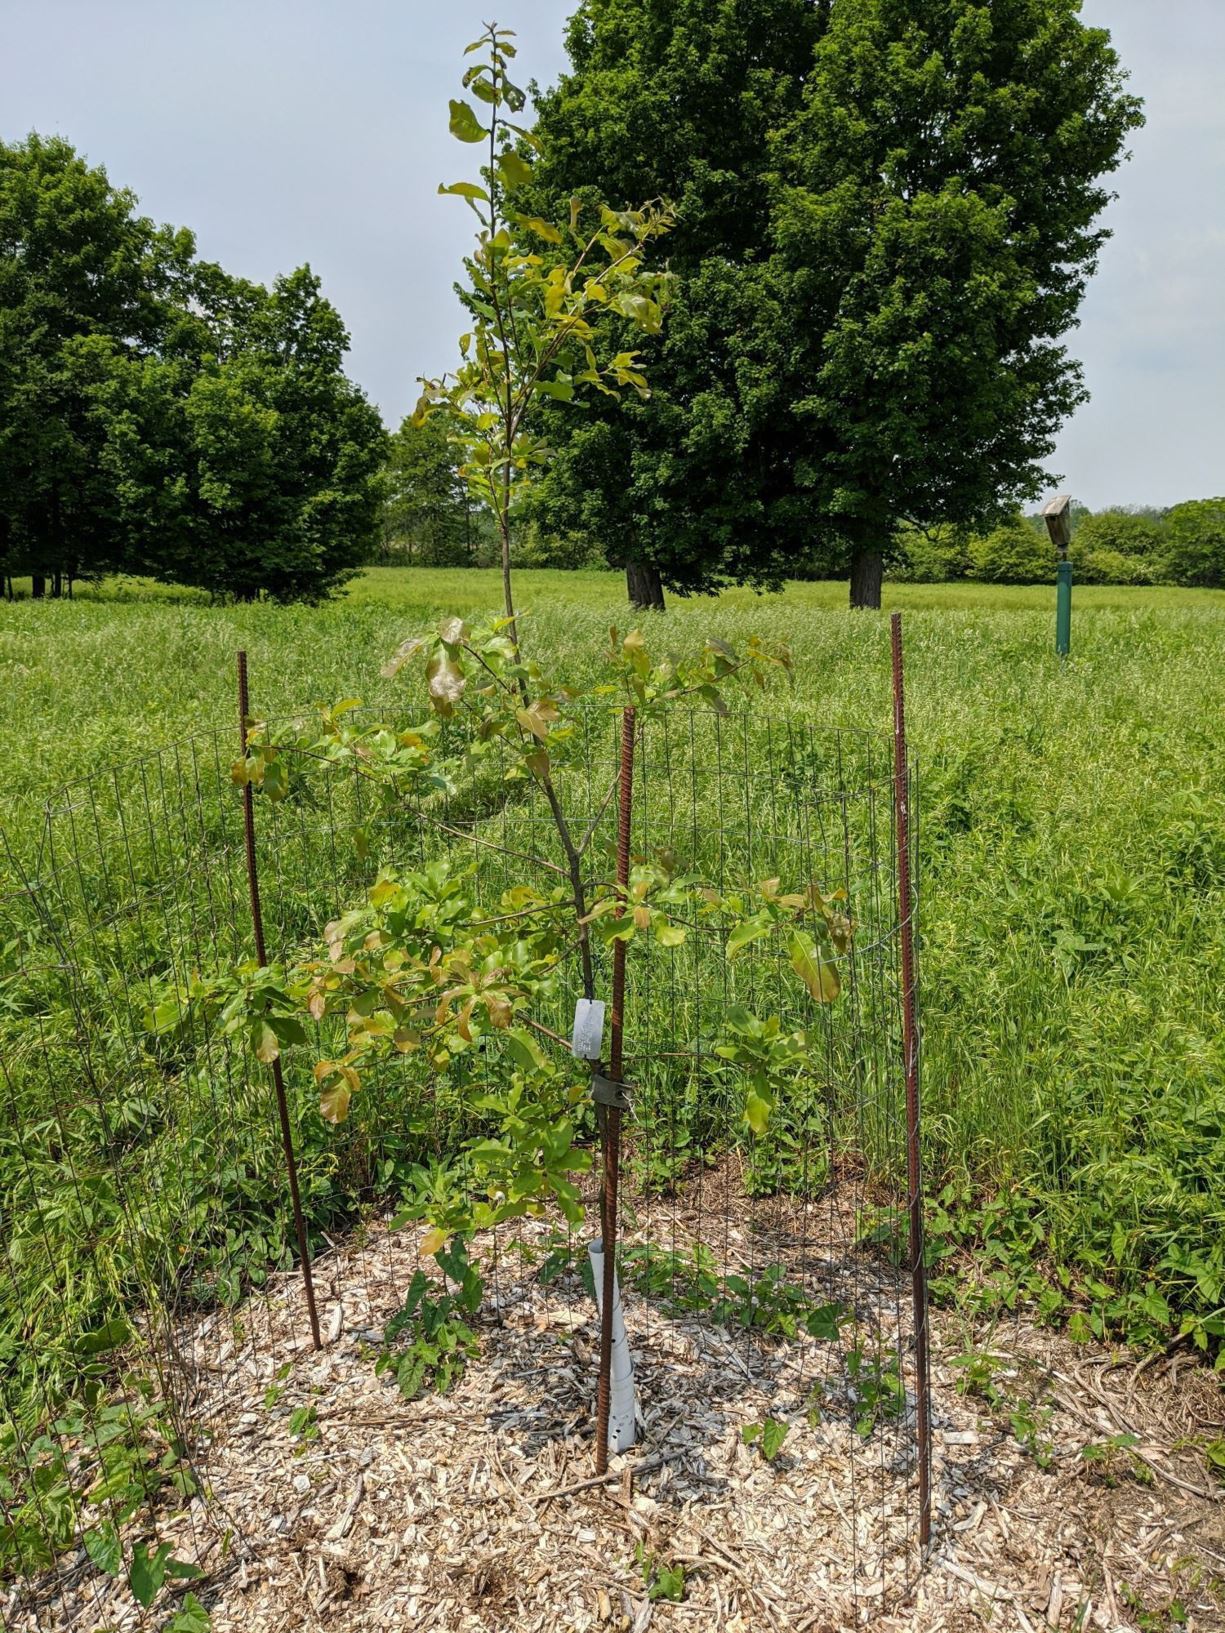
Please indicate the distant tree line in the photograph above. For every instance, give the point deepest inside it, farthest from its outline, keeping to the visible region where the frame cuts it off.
(886, 216)
(159, 416)
(1182, 545)
(427, 520)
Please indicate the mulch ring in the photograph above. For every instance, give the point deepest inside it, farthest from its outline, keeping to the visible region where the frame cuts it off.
(477, 1509)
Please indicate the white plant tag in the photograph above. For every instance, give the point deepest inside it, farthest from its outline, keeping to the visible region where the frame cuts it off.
(587, 1039)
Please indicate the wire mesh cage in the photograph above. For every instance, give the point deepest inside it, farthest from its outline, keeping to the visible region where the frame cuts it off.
(156, 1325)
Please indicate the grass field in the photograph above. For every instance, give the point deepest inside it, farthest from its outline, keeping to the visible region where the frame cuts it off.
(1073, 864)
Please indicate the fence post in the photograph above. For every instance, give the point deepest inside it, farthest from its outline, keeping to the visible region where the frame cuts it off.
(261, 954)
(610, 1120)
(910, 1051)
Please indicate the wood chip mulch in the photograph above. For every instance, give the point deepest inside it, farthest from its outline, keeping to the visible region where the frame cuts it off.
(478, 1510)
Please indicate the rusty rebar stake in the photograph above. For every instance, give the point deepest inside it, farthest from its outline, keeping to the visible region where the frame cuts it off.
(261, 953)
(910, 1051)
(610, 1116)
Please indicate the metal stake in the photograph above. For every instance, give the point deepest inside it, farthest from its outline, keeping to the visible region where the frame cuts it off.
(910, 1050)
(261, 953)
(610, 1116)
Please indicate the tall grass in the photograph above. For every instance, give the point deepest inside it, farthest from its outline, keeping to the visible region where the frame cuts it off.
(1072, 858)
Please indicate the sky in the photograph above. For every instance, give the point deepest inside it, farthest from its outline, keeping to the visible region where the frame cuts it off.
(284, 131)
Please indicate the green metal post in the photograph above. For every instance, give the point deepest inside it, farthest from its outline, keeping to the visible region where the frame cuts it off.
(1063, 608)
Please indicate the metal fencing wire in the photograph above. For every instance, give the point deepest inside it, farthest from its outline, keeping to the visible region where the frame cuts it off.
(151, 1287)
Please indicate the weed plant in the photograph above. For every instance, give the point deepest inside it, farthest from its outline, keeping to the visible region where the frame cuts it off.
(1072, 879)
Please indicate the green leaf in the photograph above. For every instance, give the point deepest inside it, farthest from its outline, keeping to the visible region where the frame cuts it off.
(560, 388)
(824, 1322)
(191, 1617)
(147, 1572)
(464, 123)
(514, 170)
(104, 1548)
(773, 1433)
(747, 930)
(640, 310)
(669, 935)
(164, 1016)
(288, 1029)
(465, 189)
(112, 1335)
(757, 1109)
(817, 973)
(183, 1570)
(524, 1050)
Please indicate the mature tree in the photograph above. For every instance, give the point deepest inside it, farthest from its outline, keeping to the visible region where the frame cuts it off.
(937, 217)
(159, 416)
(676, 99)
(426, 514)
(80, 273)
(933, 555)
(243, 460)
(1195, 543)
(892, 220)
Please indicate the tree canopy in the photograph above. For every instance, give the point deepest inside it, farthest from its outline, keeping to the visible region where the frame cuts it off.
(1194, 546)
(677, 100)
(427, 517)
(159, 416)
(887, 214)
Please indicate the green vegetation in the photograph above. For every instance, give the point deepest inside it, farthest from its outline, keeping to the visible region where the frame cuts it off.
(869, 325)
(427, 518)
(160, 416)
(1073, 870)
(1072, 914)
(539, 308)
(1184, 545)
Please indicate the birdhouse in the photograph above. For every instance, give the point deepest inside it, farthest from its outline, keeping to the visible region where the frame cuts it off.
(1057, 514)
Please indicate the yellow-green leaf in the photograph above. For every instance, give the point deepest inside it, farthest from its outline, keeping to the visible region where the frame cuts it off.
(264, 1042)
(464, 123)
(747, 930)
(514, 169)
(465, 189)
(757, 1111)
(816, 971)
(542, 228)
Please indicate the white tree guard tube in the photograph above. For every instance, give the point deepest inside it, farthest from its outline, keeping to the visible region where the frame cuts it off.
(621, 1404)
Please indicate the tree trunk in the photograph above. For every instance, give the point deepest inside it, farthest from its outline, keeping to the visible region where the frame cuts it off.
(57, 585)
(646, 590)
(38, 587)
(867, 571)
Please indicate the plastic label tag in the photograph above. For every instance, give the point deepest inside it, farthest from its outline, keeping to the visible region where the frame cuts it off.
(587, 1039)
